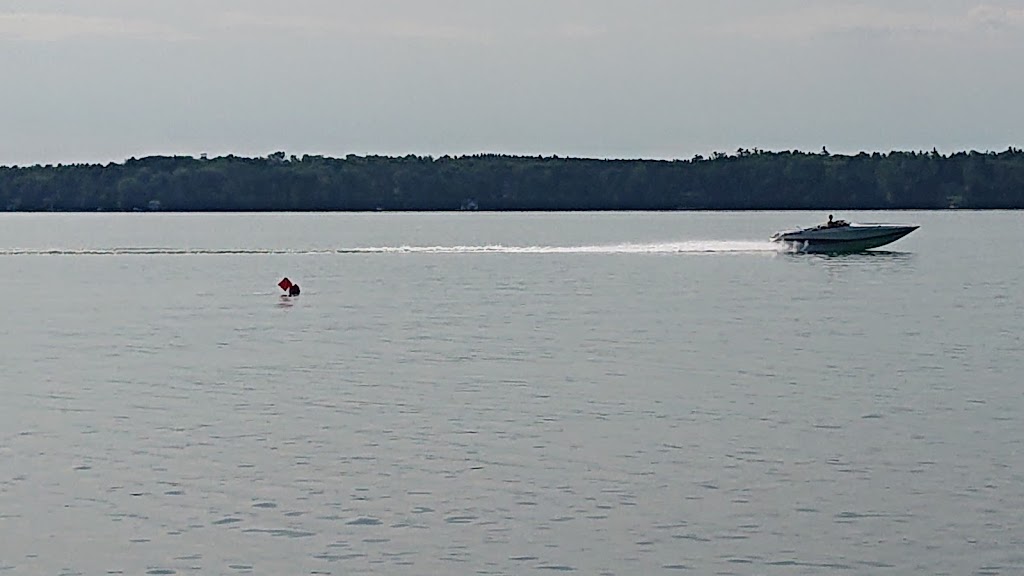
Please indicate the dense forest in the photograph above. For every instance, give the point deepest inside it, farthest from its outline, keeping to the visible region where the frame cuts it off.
(746, 179)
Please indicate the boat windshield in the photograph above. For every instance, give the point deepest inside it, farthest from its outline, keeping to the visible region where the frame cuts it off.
(834, 224)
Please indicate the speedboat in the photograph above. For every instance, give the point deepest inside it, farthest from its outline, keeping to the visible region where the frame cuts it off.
(841, 236)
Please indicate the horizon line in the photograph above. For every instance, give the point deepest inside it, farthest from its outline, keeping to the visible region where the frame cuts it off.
(741, 151)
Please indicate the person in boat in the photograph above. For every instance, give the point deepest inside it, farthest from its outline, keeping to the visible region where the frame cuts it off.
(835, 223)
(294, 290)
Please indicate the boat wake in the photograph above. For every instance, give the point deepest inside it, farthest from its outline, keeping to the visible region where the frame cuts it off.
(688, 247)
(685, 247)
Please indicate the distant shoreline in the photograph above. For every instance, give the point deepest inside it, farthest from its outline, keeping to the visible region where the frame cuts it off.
(821, 210)
(744, 181)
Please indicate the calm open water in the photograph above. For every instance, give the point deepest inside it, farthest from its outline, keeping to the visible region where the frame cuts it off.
(478, 393)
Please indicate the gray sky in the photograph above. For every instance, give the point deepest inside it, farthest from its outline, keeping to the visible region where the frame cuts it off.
(103, 80)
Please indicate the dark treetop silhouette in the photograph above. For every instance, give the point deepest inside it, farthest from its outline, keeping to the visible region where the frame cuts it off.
(747, 179)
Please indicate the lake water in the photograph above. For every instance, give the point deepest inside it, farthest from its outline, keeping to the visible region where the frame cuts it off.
(474, 393)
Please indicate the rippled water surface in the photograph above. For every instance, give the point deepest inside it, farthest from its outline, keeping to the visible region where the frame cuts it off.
(508, 394)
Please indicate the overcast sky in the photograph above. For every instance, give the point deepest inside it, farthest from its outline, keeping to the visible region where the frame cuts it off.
(104, 80)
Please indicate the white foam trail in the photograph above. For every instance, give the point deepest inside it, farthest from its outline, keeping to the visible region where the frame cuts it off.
(688, 247)
(685, 247)
(152, 251)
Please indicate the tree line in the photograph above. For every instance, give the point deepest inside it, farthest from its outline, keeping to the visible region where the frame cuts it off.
(744, 180)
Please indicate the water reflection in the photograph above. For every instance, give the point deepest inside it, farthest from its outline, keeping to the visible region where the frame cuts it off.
(866, 256)
(852, 266)
(848, 258)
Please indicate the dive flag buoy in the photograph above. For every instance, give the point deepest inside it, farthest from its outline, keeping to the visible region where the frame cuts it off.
(290, 287)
